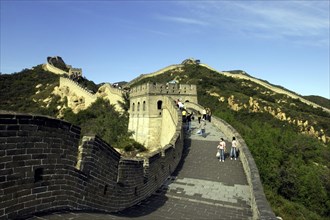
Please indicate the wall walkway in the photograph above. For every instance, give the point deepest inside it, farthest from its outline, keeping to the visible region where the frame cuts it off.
(200, 188)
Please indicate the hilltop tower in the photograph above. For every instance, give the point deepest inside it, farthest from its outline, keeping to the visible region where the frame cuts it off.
(147, 105)
(57, 65)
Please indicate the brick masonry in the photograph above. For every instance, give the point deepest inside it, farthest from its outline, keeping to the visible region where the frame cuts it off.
(38, 169)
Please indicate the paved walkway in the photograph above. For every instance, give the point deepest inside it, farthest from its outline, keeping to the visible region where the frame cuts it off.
(200, 188)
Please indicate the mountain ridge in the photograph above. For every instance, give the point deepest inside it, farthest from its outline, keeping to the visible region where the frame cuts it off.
(238, 75)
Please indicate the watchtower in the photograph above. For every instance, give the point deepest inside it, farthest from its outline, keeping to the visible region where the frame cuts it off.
(146, 109)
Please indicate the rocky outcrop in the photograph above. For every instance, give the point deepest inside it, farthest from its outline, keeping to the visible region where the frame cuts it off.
(256, 105)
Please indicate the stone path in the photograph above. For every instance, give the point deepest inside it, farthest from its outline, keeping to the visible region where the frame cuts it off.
(200, 188)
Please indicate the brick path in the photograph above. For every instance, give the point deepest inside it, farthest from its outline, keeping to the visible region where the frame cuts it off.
(201, 188)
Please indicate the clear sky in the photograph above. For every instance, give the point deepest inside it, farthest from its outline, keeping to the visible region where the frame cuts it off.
(283, 42)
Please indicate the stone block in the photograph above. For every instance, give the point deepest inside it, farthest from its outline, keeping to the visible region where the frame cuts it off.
(8, 121)
(39, 190)
(8, 133)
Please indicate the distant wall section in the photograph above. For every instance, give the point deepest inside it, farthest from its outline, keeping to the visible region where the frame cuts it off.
(87, 97)
(54, 69)
(112, 94)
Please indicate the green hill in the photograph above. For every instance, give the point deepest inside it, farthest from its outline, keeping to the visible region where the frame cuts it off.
(288, 139)
(319, 100)
(29, 91)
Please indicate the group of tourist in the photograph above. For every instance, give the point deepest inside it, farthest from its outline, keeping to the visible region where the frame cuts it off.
(202, 117)
(221, 149)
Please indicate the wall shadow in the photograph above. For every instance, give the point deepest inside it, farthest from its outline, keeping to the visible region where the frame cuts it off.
(159, 198)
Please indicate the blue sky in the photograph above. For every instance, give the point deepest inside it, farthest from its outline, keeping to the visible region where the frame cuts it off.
(283, 42)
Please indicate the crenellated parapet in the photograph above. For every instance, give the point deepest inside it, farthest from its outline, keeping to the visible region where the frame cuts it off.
(114, 95)
(77, 87)
(46, 167)
(151, 113)
(78, 97)
(173, 90)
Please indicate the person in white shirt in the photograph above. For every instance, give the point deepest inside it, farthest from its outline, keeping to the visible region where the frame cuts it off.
(222, 148)
(233, 149)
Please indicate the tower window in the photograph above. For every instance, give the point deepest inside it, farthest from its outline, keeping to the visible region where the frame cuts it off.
(159, 104)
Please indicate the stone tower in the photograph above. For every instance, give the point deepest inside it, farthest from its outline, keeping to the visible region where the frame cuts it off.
(147, 105)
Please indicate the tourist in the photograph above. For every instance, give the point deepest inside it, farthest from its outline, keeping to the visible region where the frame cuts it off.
(204, 113)
(189, 117)
(233, 149)
(184, 115)
(222, 148)
(199, 116)
(202, 128)
(208, 114)
(180, 104)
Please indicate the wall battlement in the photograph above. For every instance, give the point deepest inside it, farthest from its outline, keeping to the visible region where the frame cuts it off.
(42, 168)
(165, 89)
(113, 90)
(150, 111)
(86, 98)
(70, 83)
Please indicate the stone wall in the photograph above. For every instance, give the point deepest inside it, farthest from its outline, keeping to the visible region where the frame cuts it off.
(169, 121)
(161, 71)
(150, 106)
(260, 206)
(39, 170)
(184, 92)
(54, 69)
(153, 127)
(112, 94)
(76, 88)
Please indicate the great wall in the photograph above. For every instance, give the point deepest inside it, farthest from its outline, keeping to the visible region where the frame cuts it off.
(78, 97)
(47, 166)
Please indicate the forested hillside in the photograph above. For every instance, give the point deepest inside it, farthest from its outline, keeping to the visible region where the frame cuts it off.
(319, 100)
(30, 91)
